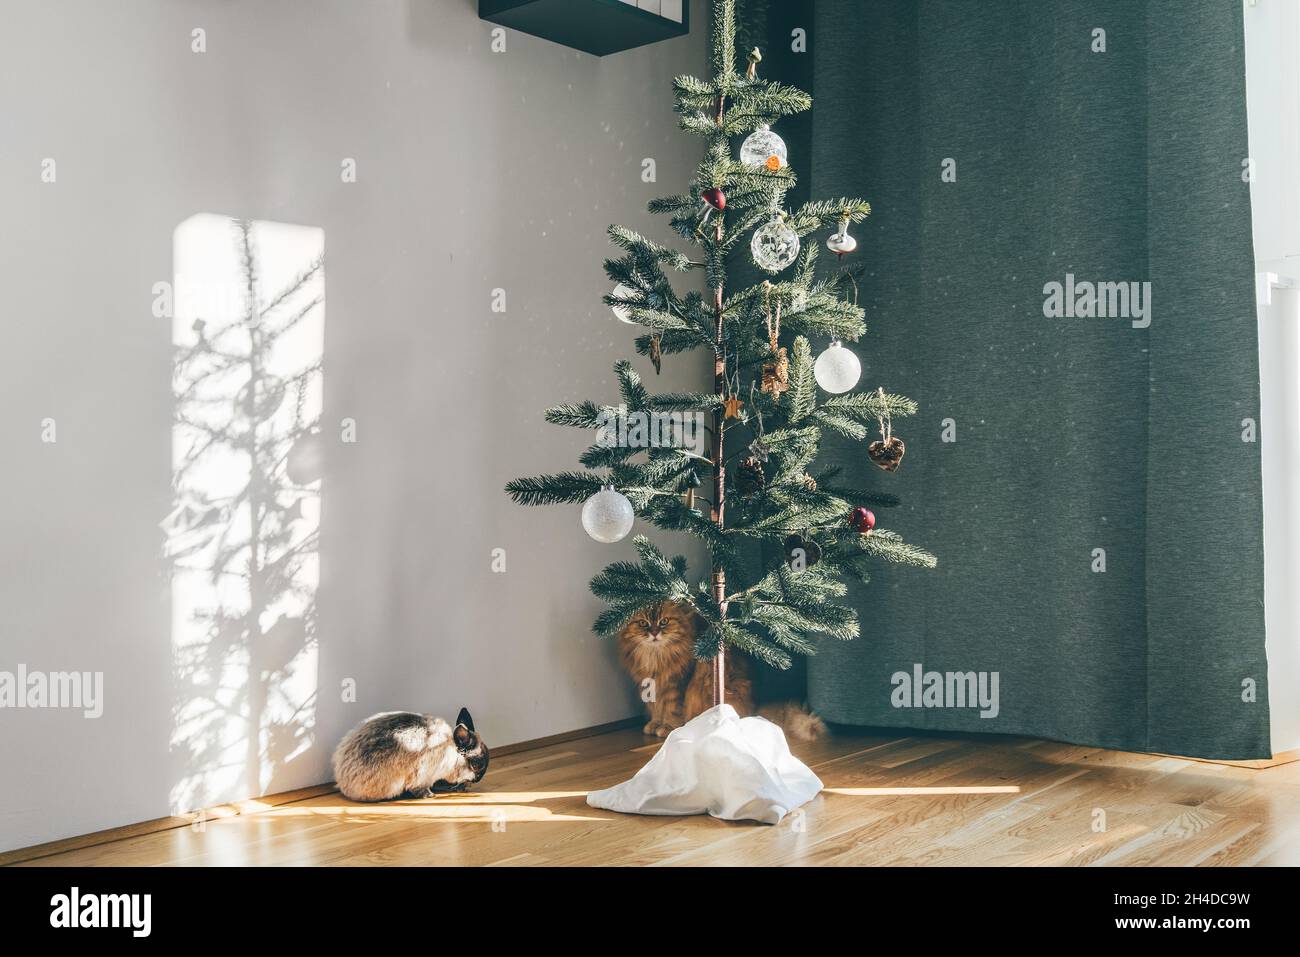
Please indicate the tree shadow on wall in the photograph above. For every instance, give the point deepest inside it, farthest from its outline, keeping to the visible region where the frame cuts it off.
(243, 536)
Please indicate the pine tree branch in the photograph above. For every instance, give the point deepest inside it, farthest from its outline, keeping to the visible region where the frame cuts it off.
(868, 406)
(560, 489)
(765, 100)
(722, 40)
(827, 214)
(693, 95)
(580, 415)
(891, 547)
(630, 387)
(802, 395)
(673, 341)
(648, 251)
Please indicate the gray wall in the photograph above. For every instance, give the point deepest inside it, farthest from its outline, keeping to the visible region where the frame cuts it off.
(476, 170)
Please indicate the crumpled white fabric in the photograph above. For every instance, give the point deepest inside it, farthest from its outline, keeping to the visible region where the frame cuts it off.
(734, 768)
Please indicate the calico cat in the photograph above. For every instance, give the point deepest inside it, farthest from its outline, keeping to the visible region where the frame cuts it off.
(400, 753)
(658, 643)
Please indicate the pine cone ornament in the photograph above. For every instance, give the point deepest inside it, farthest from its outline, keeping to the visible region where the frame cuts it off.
(809, 482)
(750, 479)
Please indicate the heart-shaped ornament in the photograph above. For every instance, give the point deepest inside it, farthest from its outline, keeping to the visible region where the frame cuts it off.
(887, 454)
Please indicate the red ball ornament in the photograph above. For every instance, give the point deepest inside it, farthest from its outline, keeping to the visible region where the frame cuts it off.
(862, 519)
(715, 198)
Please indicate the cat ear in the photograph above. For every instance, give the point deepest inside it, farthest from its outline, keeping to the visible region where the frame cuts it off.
(463, 737)
(465, 719)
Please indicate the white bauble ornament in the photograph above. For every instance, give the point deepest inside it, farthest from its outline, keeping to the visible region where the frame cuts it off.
(625, 292)
(607, 516)
(763, 148)
(306, 459)
(775, 245)
(837, 369)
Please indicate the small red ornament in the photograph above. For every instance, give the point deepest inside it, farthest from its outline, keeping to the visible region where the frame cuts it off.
(715, 198)
(862, 519)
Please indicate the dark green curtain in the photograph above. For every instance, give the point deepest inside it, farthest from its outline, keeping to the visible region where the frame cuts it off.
(1072, 434)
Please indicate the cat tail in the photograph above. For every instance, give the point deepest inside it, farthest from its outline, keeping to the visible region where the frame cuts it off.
(795, 719)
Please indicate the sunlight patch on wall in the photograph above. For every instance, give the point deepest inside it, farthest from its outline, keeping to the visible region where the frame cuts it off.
(243, 535)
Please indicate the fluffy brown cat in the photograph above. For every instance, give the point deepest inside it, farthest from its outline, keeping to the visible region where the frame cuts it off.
(658, 644)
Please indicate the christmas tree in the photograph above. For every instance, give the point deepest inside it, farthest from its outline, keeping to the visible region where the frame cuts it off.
(813, 528)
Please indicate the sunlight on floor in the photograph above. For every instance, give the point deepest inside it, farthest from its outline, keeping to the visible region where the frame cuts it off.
(499, 808)
(489, 807)
(494, 797)
(887, 792)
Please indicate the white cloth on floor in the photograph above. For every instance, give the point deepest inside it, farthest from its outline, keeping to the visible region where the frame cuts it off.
(734, 768)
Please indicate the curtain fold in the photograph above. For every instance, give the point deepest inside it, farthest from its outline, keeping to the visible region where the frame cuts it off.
(1083, 479)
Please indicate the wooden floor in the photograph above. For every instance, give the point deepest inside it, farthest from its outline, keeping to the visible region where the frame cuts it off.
(889, 800)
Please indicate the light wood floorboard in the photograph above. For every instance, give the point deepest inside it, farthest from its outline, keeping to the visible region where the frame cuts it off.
(890, 799)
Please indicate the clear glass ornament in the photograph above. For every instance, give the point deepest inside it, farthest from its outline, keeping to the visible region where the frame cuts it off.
(763, 148)
(775, 245)
(837, 369)
(607, 516)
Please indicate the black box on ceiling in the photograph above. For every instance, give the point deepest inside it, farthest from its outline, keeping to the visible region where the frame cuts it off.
(593, 26)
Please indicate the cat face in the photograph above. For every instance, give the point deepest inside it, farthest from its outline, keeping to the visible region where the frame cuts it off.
(471, 750)
(660, 626)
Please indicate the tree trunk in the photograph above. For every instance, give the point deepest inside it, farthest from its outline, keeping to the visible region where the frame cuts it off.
(719, 492)
(719, 468)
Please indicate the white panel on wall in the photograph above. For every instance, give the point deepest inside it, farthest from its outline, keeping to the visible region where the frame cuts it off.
(1272, 30)
(1279, 437)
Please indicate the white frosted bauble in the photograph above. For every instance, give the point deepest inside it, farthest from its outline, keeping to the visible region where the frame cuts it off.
(774, 246)
(837, 369)
(622, 312)
(306, 459)
(763, 148)
(607, 516)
